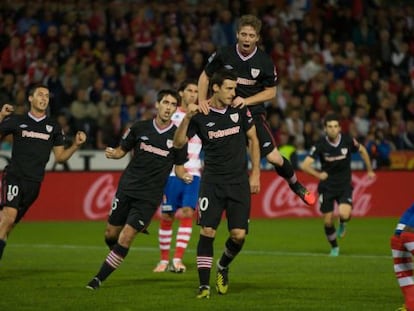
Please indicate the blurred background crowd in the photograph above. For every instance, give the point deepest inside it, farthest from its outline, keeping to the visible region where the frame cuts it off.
(105, 61)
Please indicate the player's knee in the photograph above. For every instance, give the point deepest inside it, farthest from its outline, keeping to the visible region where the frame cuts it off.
(167, 217)
(187, 212)
(208, 232)
(238, 236)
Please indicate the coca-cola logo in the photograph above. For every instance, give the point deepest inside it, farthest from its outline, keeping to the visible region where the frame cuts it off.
(280, 201)
(98, 198)
(361, 198)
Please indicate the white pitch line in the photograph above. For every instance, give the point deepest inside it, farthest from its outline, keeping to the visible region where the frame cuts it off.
(155, 249)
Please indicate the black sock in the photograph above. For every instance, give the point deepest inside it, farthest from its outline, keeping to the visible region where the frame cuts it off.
(2, 246)
(112, 261)
(205, 254)
(111, 242)
(286, 171)
(330, 233)
(343, 220)
(231, 250)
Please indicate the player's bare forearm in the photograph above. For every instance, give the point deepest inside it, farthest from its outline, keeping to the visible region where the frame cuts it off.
(307, 167)
(203, 82)
(254, 151)
(115, 153)
(180, 135)
(181, 173)
(62, 154)
(365, 157)
(266, 95)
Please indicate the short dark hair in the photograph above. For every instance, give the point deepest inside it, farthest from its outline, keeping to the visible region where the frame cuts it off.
(162, 93)
(224, 74)
(186, 83)
(34, 87)
(330, 117)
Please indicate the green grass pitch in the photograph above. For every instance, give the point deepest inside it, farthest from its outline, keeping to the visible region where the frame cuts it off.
(283, 266)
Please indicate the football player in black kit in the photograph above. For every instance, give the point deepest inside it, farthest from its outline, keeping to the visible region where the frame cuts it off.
(334, 152)
(141, 185)
(256, 84)
(225, 182)
(35, 135)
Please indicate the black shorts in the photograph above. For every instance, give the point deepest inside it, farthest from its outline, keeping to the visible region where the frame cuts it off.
(234, 199)
(327, 198)
(18, 193)
(264, 135)
(134, 212)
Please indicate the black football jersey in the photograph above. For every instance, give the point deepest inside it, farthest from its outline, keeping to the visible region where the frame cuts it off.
(255, 72)
(223, 135)
(335, 160)
(152, 161)
(33, 140)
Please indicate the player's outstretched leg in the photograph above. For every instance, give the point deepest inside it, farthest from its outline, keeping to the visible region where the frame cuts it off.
(114, 259)
(308, 197)
(288, 173)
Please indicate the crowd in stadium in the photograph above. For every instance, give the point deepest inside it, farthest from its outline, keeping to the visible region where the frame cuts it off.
(105, 61)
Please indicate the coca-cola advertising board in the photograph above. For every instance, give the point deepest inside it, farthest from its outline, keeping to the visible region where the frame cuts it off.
(88, 196)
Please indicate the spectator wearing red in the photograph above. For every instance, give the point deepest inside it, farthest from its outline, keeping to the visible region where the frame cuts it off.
(13, 57)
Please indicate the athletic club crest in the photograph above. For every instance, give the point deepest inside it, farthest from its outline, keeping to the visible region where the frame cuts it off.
(234, 117)
(254, 72)
(49, 128)
(169, 143)
(344, 151)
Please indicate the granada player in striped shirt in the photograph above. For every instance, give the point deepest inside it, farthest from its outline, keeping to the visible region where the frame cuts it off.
(402, 246)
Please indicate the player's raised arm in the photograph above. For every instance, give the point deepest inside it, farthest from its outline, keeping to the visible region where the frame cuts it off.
(180, 136)
(6, 110)
(203, 82)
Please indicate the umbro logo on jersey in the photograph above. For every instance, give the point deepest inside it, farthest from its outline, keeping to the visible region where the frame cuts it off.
(266, 144)
(144, 138)
(230, 67)
(210, 124)
(49, 128)
(23, 126)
